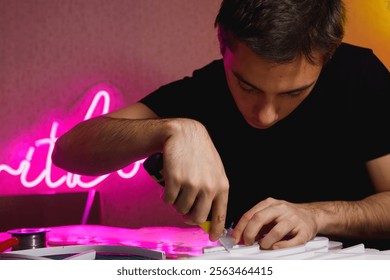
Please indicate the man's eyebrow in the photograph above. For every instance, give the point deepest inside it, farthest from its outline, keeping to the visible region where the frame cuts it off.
(238, 76)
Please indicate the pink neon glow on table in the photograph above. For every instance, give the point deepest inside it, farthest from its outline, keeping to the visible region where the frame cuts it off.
(174, 241)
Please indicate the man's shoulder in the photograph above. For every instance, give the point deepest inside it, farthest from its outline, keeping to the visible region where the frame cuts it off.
(351, 48)
(214, 67)
(350, 60)
(349, 53)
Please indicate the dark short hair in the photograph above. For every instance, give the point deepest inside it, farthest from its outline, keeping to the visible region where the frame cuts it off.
(282, 30)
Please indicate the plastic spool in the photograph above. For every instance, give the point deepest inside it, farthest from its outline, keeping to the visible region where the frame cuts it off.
(29, 238)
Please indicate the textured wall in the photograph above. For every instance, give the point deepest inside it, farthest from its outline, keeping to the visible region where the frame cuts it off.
(52, 51)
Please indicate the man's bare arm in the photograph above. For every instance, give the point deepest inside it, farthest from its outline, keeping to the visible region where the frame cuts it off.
(102, 145)
(367, 218)
(111, 142)
(195, 179)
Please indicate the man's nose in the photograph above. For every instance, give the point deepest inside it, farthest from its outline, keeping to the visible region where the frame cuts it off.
(267, 114)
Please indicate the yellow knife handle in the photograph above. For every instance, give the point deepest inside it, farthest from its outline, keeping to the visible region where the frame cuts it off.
(206, 226)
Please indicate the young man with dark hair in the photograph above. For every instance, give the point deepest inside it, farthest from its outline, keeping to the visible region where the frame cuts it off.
(285, 135)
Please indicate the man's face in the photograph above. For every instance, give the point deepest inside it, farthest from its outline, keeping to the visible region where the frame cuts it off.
(265, 92)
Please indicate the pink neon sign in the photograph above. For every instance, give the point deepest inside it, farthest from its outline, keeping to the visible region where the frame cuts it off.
(30, 179)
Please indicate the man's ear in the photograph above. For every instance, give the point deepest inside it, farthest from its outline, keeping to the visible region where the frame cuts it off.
(222, 41)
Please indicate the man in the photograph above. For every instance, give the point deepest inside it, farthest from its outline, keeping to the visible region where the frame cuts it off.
(285, 136)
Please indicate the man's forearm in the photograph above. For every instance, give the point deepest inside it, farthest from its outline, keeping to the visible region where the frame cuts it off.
(364, 219)
(102, 145)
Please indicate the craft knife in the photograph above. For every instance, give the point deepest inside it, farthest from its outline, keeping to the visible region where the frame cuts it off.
(154, 166)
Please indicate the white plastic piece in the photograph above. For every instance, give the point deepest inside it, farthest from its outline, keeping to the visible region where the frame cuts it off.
(87, 255)
(319, 248)
(77, 249)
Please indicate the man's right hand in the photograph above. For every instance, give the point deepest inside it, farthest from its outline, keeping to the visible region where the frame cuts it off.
(195, 179)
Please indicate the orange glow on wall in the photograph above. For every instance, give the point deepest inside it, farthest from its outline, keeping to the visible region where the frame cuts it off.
(368, 25)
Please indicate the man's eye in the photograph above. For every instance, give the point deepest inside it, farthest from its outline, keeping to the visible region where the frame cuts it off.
(245, 87)
(294, 93)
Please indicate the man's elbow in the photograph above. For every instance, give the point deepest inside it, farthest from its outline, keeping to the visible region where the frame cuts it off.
(58, 156)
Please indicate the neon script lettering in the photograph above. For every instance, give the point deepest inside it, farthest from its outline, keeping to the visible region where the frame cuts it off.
(69, 179)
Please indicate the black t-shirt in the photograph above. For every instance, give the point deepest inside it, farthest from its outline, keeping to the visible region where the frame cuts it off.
(317, 153)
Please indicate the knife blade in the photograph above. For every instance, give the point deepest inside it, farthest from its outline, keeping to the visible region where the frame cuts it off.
(226, 240)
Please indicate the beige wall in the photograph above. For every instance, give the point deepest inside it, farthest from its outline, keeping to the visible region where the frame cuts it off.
(51, 51)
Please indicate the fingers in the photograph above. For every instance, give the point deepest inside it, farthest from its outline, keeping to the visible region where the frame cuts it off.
(199, 212)
(218, 219)
(185, 200)
(242, 225)
(275, 224)
(195, 204)
(190, 200)
(276, 234)
(201, 209)
(296, 240)
(171, 192)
